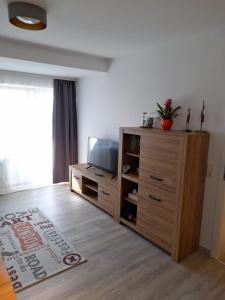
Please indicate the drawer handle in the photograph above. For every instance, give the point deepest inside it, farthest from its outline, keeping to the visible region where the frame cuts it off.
(105, 193)
(76, 177)
(156, 178)
(154, 198)
(100, 175)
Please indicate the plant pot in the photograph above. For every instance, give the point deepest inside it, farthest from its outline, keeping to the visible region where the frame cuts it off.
(166, 124)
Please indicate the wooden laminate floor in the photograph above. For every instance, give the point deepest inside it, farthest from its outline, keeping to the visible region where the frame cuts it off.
(121, 264)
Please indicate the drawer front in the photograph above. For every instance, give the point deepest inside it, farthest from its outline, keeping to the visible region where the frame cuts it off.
(157, 225)
(163, 175)
(156, 215)
(155, 228)
(76, 181)
(161, 148)
(157, 202)
(148, 229)
(106, 198)
(101, 176)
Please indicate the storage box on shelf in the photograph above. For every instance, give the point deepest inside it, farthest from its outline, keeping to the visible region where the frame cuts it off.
(95, 185)
(168, 171)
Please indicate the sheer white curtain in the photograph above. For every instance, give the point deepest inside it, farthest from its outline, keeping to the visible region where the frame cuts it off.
(25, 131)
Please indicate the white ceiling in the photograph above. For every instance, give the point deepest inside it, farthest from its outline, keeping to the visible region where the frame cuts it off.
(114, 28)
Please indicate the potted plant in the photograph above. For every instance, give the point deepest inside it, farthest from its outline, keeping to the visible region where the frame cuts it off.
(167, 113)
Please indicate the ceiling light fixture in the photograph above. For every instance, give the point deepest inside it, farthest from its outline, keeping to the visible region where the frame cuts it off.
(27, 16)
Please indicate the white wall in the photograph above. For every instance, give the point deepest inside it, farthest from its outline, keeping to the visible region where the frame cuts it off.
(187, 70)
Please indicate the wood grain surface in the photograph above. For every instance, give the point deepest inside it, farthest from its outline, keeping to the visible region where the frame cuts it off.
(121, 264)
(6, 290)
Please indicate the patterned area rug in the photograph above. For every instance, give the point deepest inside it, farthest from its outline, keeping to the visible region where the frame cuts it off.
(32, 248)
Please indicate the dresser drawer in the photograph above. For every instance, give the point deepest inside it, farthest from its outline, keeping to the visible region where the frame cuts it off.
(155, 232)
(101, 176)
(158, 173)
(157, 202)
(157, 229)
(165, 149)
(156, 215)
(106, 198)
(76, 181)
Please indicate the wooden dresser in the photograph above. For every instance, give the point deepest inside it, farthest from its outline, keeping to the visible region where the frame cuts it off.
(95, 185)
(168, 170)
(6, 290)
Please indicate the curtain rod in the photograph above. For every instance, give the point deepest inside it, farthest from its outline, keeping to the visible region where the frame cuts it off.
(37, 75)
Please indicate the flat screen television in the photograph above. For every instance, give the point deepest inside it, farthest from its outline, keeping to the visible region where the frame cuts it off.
(103, 154)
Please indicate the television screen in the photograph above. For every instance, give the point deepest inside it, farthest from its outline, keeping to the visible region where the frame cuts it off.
(103, 154)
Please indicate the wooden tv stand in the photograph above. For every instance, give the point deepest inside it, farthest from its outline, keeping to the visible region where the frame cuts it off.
(97, 186)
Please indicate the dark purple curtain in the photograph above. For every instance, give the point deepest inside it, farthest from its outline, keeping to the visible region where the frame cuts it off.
(64, 129)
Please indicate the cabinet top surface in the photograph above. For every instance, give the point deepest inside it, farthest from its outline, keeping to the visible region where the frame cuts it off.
(149, 131)
(92, 172)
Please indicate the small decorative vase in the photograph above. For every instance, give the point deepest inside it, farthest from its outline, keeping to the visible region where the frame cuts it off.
(166, 124)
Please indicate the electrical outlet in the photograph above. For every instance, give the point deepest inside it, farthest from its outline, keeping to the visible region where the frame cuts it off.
(209, 171)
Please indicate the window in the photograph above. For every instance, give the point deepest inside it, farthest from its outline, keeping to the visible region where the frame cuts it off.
(25, 132)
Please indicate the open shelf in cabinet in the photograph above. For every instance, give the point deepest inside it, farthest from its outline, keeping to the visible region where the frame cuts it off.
(130, 200)
(129, 212)
(130, 224)
(132, 162)
(90, 189)
(128, 206)
(131, 156)
(132, 176)
(91, 196)
(131, 144)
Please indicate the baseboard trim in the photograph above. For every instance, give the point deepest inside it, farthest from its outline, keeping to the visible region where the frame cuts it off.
(204, 250)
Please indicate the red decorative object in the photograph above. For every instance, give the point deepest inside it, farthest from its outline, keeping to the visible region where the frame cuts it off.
(168, 103)
(167, 113)
(166, 124)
